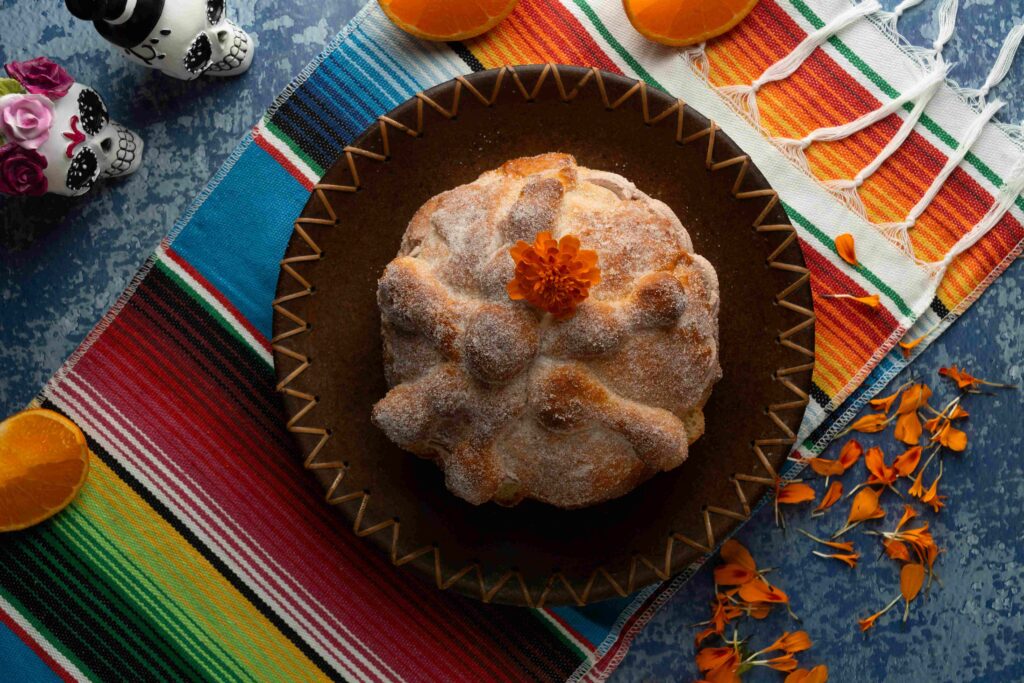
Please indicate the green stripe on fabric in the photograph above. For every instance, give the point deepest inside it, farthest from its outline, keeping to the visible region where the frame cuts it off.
(112, 607)
(549, 624)
(205, 305)
(883, 85)
(45, 633)
(864, 272)
(293, 146)
(133, 584)
(607, 35)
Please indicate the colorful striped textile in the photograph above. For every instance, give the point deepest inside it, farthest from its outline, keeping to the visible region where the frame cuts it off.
(200, 549)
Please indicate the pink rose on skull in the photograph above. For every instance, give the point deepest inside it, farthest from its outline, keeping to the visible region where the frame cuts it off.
(21, 171)
(41, 76)
(26, 119)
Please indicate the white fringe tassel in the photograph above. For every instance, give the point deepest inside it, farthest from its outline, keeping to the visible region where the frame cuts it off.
(897, 232)
(947, 22)
(744, 97)
(846, 190)
(1005, 201)
(1002, 64)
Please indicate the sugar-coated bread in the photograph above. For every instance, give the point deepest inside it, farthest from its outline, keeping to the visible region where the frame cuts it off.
(515, 403)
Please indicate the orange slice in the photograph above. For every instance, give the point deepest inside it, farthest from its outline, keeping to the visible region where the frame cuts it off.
(685, 22)
(447, 19)
(43, 462)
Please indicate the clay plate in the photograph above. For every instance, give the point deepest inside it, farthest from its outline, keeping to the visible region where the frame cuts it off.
(327, 345)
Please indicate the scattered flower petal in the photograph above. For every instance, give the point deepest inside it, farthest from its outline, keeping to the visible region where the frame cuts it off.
(818, 674)
(865, 507)
(850, 453)
(911, 580)
(826, 467)
(845, 249)
(792, 642)
(760, 590)
(908, 428)
(794, 493)
(832, 495)
(734, 552)
(906, 463)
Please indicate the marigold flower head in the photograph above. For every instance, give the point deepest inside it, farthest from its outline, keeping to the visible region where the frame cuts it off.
(553, 276)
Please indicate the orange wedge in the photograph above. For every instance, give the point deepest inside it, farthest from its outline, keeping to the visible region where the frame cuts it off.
(43, 462)
(685, 22)
(447, 19)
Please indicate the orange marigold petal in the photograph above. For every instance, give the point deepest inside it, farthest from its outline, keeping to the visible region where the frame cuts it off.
(852, 450)
(733, 551)
(794, 493)
(907, 462)
(733, 575)
(845, 248)
(953, 438)
(884, 404)
(865, 506)
(832, 495)
(818, 674)
(760, 590)
(786, 662)
(914, 398)
(715, 657)
(826, 467)
(908, 429)
(869, 423)
(911, 580)
(897, 550)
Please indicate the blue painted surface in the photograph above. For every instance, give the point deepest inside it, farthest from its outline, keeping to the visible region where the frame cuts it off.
(19, 663)
(64, 262)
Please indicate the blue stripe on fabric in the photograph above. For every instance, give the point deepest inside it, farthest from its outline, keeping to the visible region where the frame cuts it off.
(19, 663)
(237, 237)
(376, 93)
(594, 622)
(863, 393)
(388, 64)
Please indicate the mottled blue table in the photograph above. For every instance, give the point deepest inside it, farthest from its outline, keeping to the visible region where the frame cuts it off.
(64, 262)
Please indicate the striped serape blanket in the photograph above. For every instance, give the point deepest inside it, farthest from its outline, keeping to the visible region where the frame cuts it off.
(200, 549)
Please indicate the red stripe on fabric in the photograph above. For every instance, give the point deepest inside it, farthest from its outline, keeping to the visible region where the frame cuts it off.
(280, 158)
(627, 633)
(235, 314)
(161, 400)
(579, 637)
(35, 646)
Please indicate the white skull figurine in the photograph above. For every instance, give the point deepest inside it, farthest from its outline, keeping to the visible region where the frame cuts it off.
(85, 145)
(57, 135)
(182, 38)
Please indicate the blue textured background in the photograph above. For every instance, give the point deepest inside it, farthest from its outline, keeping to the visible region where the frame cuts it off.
(64, 262)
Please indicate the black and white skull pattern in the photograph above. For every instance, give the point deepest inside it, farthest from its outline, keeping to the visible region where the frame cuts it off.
(214, 11)
(92, 113)
(84, 170)
(197, 58)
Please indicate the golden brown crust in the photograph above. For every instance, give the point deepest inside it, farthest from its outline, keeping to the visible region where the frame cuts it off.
(514, 404)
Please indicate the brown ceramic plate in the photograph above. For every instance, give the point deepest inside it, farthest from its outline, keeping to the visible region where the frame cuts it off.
(327, 345)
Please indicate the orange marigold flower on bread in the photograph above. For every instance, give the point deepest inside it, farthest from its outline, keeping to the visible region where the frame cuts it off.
(553, 276)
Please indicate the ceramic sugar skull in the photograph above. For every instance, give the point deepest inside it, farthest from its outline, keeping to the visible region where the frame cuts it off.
(182, 38)
(57, 134)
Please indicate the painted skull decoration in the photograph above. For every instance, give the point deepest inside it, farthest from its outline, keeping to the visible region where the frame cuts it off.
(57, 134)
(182, 38)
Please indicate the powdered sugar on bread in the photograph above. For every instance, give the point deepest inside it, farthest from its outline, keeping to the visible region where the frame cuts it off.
(514, 404)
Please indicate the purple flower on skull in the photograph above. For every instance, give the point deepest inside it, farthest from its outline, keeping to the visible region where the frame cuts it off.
(21, 171)
(41, 76)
